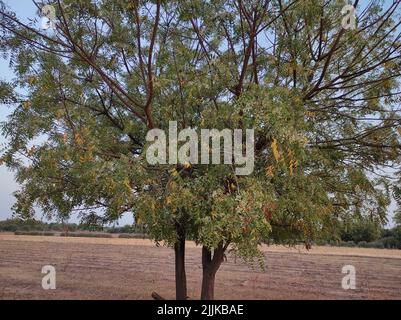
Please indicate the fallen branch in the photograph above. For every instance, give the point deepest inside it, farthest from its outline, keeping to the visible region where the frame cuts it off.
(156, 296)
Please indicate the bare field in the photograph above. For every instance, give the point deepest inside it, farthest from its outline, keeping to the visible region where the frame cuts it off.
(95, 268)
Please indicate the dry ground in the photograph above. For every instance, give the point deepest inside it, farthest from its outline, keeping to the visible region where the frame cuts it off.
(131, 269)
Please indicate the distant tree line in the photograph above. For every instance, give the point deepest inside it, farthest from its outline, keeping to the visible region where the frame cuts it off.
(387, 238)
(19, 225)
(366, 233)
(361, 233)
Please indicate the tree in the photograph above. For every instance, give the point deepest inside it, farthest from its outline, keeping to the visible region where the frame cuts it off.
(321, 99)
(361, 229)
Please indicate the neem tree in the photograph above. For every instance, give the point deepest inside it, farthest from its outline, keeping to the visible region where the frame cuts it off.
(322, 101)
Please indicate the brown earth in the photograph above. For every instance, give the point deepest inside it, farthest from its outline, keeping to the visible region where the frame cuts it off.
(95, 268)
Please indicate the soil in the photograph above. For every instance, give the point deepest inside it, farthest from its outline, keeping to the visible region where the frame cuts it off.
(96, 268)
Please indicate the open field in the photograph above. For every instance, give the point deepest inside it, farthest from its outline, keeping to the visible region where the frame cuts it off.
(95, 268)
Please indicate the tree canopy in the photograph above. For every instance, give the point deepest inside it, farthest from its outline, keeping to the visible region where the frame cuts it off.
(323, 101)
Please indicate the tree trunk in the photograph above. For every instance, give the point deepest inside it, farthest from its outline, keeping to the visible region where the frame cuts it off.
(180, 275)
(208, 285)
(210, 267)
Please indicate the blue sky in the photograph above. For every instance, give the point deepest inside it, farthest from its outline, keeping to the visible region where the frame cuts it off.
(26, 9)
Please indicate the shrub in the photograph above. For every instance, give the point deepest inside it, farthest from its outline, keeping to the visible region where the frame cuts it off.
(391, 243)
(346, 244)
(361, 230)
(34, 233)
(133, 236)
(12, 225)
(376, 244)
(127, 229)
(321, 243)
(363, 244)
(86, 235)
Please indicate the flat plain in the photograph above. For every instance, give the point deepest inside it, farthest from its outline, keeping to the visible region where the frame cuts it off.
(96, 268)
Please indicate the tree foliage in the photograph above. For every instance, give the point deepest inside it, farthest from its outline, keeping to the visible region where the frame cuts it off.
(322, 100)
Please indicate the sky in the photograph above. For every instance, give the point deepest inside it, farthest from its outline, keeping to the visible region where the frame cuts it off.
(25, 9)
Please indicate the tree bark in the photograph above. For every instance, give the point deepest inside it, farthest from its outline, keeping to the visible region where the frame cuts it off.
(210, 267)
(208, 279)
(180, 274)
